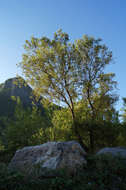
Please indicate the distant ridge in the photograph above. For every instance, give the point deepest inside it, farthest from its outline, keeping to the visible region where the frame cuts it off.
(15, 87)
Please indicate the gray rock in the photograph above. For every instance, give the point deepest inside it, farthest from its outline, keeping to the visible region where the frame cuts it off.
(115, 151)
(49, 156)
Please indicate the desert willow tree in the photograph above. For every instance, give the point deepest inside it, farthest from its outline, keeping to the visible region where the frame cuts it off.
(61, 71)
(50, 67)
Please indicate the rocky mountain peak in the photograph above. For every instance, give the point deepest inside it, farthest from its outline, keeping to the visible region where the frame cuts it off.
(15, 87)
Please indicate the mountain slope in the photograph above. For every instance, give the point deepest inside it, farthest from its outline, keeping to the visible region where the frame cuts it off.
(10, 90)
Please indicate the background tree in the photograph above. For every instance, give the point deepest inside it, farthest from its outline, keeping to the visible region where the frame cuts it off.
(123, 115)
(122, 134)
(28, 127)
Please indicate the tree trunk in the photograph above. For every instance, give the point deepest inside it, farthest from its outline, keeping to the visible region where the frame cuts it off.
(75, 125)
(91, 131)
(80, 138)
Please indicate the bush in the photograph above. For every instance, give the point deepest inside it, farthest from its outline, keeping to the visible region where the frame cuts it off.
(5, 156)
(10, 180)
(101, 172)
(107, 171)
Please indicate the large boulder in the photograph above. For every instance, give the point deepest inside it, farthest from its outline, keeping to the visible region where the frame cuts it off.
(114, 151)
(49, 156)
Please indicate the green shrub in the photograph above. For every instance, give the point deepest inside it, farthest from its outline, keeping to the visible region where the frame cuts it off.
(10, 180)
(103, 172)
(107, 170)
(6, 156)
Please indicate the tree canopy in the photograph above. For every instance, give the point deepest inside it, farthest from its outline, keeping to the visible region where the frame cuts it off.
(68, 72)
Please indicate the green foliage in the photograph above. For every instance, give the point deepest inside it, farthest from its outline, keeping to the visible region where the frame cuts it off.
(6, 156)
(62, 125)
(101, 172)
(10, 180)
(27, 128)
(123, 115)
(106, 132)
(122, 136)
(66, 73)
(53, 75)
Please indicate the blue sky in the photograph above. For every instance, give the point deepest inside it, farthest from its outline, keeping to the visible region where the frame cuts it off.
(19, 20)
